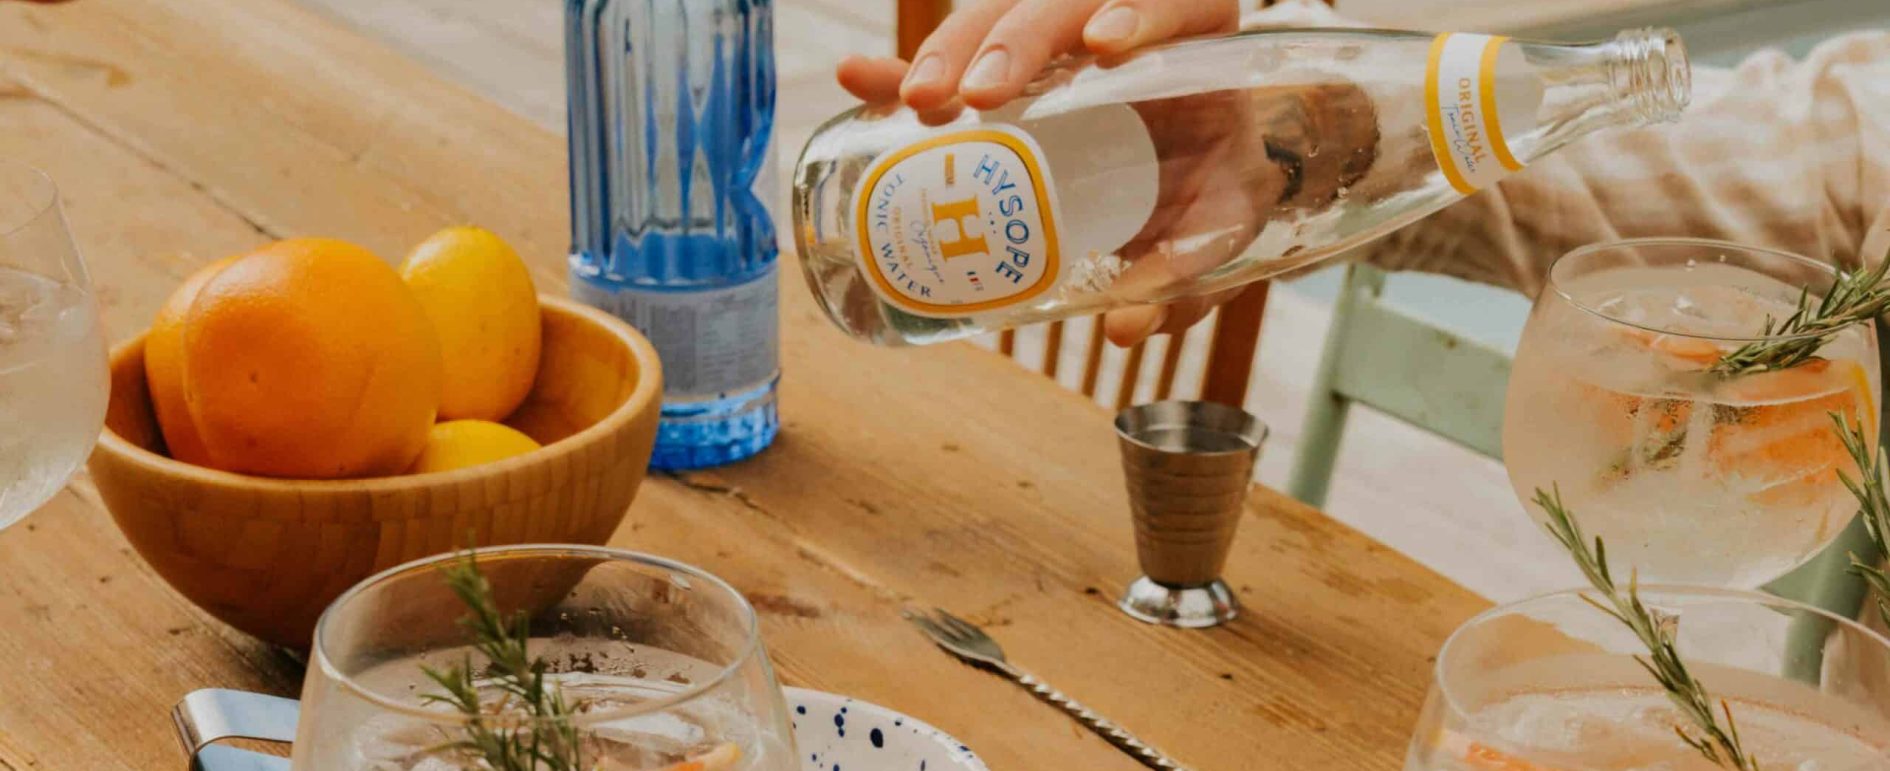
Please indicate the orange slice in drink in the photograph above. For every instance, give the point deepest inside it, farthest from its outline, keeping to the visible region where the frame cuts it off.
(1626, 419)
(1479, 756)
(1649, 430)
(722, 758)
(1685, 353)
(1778, 428)
(1631, 419)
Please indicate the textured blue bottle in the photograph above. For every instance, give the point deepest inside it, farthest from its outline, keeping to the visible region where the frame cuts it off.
(671, 110)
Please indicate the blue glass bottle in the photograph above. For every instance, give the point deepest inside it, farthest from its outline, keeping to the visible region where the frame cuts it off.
(671, 109)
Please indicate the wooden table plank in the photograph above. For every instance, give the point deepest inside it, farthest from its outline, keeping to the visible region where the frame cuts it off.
(938, 476)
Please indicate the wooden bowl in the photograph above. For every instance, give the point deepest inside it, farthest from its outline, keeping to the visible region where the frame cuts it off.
(267, 555)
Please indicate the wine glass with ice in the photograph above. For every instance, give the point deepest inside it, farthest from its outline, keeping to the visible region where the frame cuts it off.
(53, 383)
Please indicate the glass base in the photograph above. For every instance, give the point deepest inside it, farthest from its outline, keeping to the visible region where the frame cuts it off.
(715, 432)
(1189, 607)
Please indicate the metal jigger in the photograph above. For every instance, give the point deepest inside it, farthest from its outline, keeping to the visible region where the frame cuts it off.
(1189, 466)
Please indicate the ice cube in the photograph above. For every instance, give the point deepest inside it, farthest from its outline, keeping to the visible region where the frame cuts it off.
(397, 743)
(27, 302)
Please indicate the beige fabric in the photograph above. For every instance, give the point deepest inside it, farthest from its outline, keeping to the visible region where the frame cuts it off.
(1791, 155)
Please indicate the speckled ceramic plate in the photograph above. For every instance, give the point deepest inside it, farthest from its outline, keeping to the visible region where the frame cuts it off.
(837, 733)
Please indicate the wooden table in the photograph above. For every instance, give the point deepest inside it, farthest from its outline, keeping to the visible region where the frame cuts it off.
(184, 130)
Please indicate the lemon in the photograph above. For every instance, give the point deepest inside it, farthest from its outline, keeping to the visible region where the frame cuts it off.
(480, 297)
(457, 444)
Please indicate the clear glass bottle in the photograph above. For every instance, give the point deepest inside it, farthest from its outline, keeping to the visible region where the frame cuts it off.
(671, 111)
(1188, 168)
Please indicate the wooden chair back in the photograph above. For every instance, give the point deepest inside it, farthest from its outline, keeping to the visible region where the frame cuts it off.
(1232, 343)
(1403, 366)
(917, 18)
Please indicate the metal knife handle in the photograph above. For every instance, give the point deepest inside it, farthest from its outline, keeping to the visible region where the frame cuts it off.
(1114, 734)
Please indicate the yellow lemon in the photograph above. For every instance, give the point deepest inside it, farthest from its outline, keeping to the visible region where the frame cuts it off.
(480, 298)
(461, 443)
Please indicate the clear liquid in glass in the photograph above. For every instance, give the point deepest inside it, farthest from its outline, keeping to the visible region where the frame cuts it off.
(52, 387)
(1632, 729)
(716, 731)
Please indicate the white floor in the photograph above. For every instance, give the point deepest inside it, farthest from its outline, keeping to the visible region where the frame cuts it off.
(1445, 506)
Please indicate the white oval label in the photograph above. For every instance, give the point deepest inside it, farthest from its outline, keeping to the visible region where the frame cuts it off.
(959, 223)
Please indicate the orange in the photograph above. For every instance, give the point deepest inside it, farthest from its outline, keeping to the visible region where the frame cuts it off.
(1486, 758)
(1777, 428)
(1792, 440)
(163, 368)
(722, 758)
(1684, 353)
(1632, 420)
(479, 296)
(1478, 755)
(1627, 417)
(309, 358)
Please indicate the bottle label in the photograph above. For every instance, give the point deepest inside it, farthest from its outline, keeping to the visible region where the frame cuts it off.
(713, 342)
(959, 223)
(1460, 99)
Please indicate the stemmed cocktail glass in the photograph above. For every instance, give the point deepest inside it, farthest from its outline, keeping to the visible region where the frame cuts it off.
(1552, 684)
(1675, 398)
(1690, 473)
(52, 356)
(659, 666)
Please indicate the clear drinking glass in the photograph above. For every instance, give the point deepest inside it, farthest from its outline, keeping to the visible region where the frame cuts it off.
(1690, 476)
(663, 661)
(1551, 683)
(52, 353)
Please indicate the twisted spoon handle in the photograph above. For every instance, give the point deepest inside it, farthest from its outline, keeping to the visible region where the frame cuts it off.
(1123, 740)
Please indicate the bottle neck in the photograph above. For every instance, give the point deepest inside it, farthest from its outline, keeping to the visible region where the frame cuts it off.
(1638, 78)
(1649, 74)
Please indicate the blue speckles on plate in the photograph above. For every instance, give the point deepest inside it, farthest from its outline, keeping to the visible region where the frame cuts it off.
(880, 739)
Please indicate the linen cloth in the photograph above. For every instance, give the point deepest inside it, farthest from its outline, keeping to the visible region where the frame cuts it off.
(1792, 155)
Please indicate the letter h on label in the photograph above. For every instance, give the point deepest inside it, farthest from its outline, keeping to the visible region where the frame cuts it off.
(962, 213)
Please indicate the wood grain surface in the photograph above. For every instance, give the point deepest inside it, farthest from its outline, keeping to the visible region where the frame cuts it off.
(183, 130)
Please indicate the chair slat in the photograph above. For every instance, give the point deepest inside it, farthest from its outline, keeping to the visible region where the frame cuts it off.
(1171, 361)
(1092, 366)
(1053, 349)
(1007, 342)
(1236, 342)
(1131, 372)
(1429, 377)
(917, 19)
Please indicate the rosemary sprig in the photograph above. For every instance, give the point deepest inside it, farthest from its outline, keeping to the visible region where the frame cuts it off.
(550, 740)
(1719, 744)
(1872, 500)
(1855, 296)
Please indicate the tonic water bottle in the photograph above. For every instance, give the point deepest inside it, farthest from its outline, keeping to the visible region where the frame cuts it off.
(1188, 168)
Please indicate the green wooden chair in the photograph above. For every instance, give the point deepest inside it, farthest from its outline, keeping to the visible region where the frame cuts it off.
(1453, 386)
(1408, 368)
